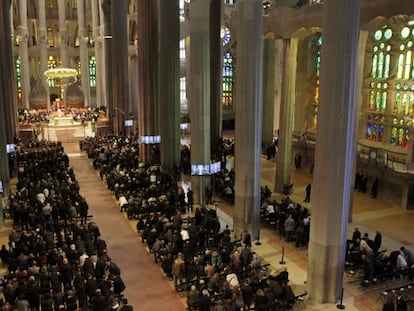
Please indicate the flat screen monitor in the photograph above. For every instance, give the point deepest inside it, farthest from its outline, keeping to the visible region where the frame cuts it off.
(10, 148)
(215, 167)
(129, 123)
(200, 169)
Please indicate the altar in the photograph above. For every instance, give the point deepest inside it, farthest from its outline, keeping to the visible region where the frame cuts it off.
(63, 121)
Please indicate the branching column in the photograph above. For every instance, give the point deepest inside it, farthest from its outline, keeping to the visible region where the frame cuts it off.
(148, 73)
(284, 155)
(23, 39)
(120, 79)
(269, 50)
(83, 46)
(169, 98)
(249, 108)
(43, 46)
(99, 57)
(7, 91)
(199, 95)
(335, 150)
(64, 57)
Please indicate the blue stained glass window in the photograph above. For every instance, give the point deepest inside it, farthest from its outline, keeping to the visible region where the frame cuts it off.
(228, 70)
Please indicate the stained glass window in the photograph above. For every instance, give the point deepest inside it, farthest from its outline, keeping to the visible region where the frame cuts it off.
(225, 35)
(380, 63)
(375, 128)
(317, 48)
(228, 79)
(379, 87)
(182, 49)
(183, 92)
(19, 78)
(399, 132)
(92, 71)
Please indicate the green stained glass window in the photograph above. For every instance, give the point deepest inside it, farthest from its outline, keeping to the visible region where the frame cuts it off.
(377, 101)
(374, 65)
(387, 66)
(404, 104)
(371, 100)
(378, 35)
(408, 61)
(387, 34)
(92, 71)
(400, 66)
(383, 101)
(405, 32)
(380, 64)
(397, 103)
(393, 138)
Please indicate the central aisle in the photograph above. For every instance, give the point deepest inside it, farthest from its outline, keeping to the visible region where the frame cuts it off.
(146, 286)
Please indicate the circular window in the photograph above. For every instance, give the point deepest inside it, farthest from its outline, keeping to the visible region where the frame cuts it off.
(375, 48)
(225, 35)
(388, 34)
(405, 32)
(378, 35)
(409, 44)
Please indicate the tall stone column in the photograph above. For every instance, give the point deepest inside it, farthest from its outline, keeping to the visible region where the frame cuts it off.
(335, 150)
(83, 47)
(199, 93)
(284, 155)
(120, 75)
(63, 34)
(360, 126)
(216, 60)
(148, 73)
(107, 53)
(249, 108)
(23, 39)
(168, 90)
(133, 82)
(7, 94)
(43, 46)
(278, 84)
(98, 47)
(269, 50)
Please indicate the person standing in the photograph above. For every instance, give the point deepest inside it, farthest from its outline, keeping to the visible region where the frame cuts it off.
(298, 161)
(374, 188)
(190, 199)
(377, 241)
(308, 192)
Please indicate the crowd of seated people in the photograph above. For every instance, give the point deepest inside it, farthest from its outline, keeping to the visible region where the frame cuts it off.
(377, 265)
(199, 257)
(288, 218)
(56, 259)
